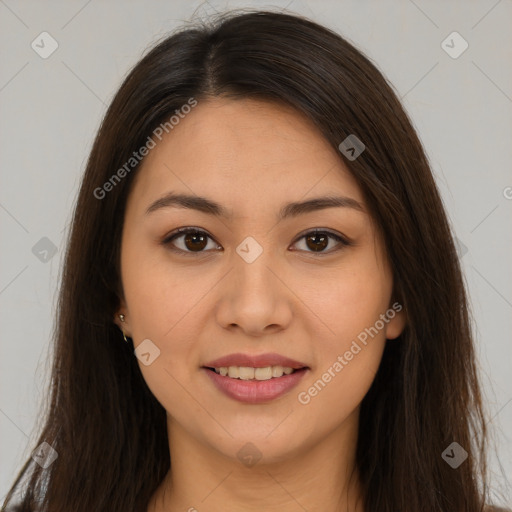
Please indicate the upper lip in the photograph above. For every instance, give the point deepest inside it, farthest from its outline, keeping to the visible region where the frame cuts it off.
(255, 361)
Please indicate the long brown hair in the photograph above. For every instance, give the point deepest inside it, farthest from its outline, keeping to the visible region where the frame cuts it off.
(109, 430)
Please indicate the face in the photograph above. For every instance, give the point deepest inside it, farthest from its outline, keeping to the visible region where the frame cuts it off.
(254, 277)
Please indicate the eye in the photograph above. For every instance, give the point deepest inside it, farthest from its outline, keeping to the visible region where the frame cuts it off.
(195, 240)
(318, 240)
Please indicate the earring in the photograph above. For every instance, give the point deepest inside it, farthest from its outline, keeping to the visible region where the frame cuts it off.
(121, 317)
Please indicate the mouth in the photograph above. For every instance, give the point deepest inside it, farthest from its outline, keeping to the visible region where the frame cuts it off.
(252, 385)
(253, 373)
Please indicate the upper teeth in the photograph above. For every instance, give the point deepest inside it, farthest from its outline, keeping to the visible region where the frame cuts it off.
(247, 373)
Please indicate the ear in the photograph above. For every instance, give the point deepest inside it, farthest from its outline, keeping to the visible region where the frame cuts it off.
(397, 321)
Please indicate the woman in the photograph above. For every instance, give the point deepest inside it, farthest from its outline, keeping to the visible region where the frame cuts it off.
(259, 220)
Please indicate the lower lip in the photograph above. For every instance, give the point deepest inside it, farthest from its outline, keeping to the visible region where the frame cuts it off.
(256, 391)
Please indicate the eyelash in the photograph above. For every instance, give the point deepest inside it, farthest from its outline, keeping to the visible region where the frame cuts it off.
(184, 231)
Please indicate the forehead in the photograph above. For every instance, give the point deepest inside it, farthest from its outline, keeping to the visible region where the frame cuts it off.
(254, 152)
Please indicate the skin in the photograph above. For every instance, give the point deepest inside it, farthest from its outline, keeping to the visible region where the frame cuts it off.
(252, 157)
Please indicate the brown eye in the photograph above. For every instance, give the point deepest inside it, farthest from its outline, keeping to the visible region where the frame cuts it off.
(195, 241)
(189, 240)
(318, 241)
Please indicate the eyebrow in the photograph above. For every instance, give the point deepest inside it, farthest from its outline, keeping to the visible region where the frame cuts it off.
(210, 207)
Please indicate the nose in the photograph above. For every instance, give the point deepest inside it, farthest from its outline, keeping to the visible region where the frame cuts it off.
(254, 297)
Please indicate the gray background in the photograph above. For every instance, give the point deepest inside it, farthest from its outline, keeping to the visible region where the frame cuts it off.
(51, 109)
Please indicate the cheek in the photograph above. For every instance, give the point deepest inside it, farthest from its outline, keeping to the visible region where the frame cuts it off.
(161, 305)
(161, 296)
(347, 360)
(349, 303)
(348, 299)
(336, 390)
(168, 321)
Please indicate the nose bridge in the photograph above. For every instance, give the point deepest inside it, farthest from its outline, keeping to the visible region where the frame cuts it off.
(255, 298)
(253, 277)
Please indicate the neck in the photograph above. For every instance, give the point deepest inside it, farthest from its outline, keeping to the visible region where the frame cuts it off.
(321, 477)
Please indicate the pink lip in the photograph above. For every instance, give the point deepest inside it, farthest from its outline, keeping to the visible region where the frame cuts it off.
(255, 361)
(255, 391)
